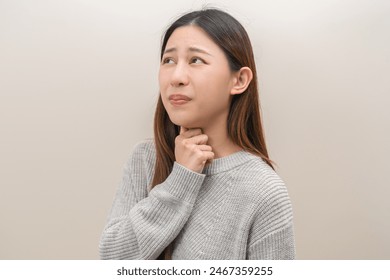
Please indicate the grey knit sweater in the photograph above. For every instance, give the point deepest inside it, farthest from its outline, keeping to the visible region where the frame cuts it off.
(238, 208)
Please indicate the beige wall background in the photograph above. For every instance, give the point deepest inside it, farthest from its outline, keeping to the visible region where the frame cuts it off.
(78, 86)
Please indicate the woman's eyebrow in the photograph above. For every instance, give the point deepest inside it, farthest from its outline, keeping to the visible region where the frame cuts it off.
(192, 49)
(170, 50)
(195, 49)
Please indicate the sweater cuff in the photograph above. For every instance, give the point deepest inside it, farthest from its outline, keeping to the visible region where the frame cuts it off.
(184, 183)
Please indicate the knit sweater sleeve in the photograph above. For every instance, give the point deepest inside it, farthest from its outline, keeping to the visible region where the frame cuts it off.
(271, 235)
(141, 226)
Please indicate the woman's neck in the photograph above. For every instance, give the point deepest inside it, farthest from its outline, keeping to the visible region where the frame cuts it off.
(220, 141)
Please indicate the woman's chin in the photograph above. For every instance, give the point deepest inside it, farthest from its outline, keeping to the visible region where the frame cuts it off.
(186, 124)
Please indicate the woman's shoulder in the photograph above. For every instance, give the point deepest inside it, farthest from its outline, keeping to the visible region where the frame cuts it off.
(140, 162)
(145, 145)
(261, 182)
(143, 150)
(258, 170)
(266, 192)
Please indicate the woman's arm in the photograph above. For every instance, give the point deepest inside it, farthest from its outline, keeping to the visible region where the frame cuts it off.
(143, 228)
(272, 235)
(278, 245)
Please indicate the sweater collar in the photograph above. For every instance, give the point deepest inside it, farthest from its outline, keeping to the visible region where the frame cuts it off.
(228, 162)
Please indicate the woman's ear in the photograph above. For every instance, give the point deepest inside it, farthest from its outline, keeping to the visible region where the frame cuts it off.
(241, 80)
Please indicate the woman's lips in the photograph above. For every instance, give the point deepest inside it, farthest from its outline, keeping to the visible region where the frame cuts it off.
(179, 99)
(178, 102)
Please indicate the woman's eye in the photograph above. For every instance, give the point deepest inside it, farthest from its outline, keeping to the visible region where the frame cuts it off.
(168, 60)
(197, 60)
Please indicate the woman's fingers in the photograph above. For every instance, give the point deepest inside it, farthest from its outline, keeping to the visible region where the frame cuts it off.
(198, 139)
(205, 148)
(191, 149)
(208, 155)
(192, 136)
(188, 133)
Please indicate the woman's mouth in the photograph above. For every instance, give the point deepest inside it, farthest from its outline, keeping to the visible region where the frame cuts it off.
(179, 99)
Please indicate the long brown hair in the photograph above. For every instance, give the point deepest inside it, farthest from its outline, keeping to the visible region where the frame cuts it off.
(244, 124)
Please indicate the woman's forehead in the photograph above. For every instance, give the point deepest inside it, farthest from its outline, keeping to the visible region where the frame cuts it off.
(190, 38)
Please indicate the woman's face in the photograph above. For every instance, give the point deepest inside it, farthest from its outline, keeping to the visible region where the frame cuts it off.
(195, 67)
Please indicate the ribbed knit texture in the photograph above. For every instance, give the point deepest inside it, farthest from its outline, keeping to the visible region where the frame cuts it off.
(238, 208)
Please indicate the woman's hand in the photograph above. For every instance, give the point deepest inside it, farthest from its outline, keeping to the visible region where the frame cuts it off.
(191, 150)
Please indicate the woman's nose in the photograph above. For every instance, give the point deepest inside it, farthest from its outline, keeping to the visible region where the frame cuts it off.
(180, 75)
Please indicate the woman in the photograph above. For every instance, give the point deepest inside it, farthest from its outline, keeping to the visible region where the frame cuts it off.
(205, 187)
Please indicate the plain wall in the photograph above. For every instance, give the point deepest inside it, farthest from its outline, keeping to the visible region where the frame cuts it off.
(78, 88)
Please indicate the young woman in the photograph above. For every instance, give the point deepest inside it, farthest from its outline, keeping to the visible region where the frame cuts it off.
(204, 188)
